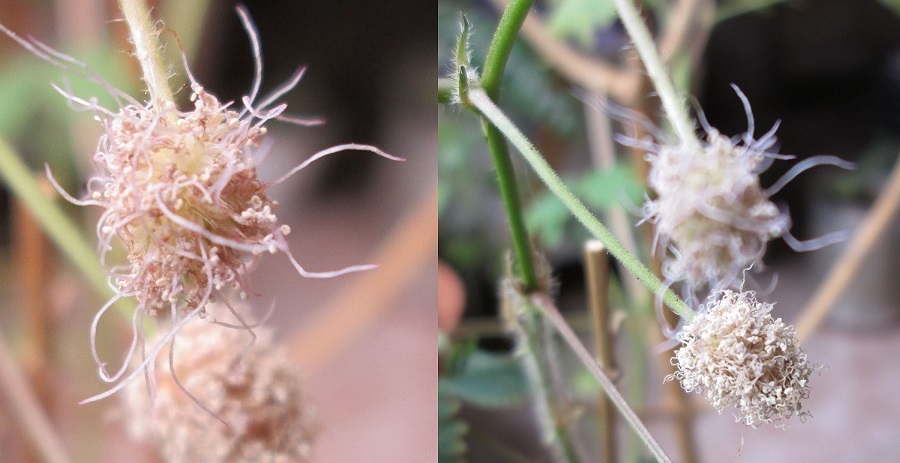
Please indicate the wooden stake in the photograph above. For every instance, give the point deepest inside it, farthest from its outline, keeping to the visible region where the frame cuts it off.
(597, 276)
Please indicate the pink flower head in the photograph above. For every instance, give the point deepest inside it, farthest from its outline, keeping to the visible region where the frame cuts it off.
(180, 189)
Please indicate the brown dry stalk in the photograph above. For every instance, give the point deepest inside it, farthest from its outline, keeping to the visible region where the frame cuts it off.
(847, 265)
(410, 248)
(35, 425)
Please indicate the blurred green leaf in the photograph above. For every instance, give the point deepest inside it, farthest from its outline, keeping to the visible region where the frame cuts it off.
(489, 380)
(547, 217)
(581, 19)
(23, 86)
(600, 190)
(608, 188)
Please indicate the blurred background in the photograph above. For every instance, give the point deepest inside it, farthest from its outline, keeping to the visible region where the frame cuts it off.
(827, 69)
(365, 343)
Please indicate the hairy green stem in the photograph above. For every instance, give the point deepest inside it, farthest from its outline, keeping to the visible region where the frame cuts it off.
(147, 49)
(549, 310)
(674, 106)
(498, 54)
(538, 358)
(480, 100)
(502, 43)
(56, 224)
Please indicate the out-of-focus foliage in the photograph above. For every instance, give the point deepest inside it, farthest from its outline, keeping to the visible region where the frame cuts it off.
(579, 20)
(32, 106)
(451, 429)
(474, 376)
(547, 218)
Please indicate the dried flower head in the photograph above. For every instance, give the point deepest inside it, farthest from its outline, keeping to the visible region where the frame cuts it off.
(737, 354)
(710, 210)
(180, 190)
(253, 408)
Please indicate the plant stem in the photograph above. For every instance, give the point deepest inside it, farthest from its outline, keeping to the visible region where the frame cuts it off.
(501, 44)
(672, 104)
(534, 338)
(477, 98)
(147, 49)
(55, 223)
(495, 63)
(552, 313)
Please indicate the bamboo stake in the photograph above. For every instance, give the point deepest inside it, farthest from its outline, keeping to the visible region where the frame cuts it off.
(597, 275)
(879, 219)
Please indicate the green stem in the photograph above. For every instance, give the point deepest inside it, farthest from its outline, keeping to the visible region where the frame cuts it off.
(480, 100)
(64, 233)
(147, 49)
(549, 310)
(502, 43)
(538, 357)
(673, 105)
(495, 63)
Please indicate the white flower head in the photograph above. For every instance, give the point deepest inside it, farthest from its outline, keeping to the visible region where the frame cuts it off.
(736, 354)
(252, 407)
(710, 211)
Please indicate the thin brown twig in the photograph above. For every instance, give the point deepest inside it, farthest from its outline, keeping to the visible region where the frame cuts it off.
(549, 310)
(31, 418)
(593, 74)
(842, 272)
(410, 247)
(597, 75)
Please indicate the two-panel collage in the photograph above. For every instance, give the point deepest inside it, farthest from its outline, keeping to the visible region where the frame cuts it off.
(528, 231)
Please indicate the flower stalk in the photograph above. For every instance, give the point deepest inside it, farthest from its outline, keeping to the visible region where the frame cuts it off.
(147, 50)
(482, 103)
(672, 104)
(56, 224)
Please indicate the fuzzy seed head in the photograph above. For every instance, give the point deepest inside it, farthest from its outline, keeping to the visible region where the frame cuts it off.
(710, 210)
(182, 194)
(737, 354)
(253, 389)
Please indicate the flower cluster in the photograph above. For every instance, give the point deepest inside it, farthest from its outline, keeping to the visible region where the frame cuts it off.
(710, 210)
(246, 384)
(180, 190)
(737, 354)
